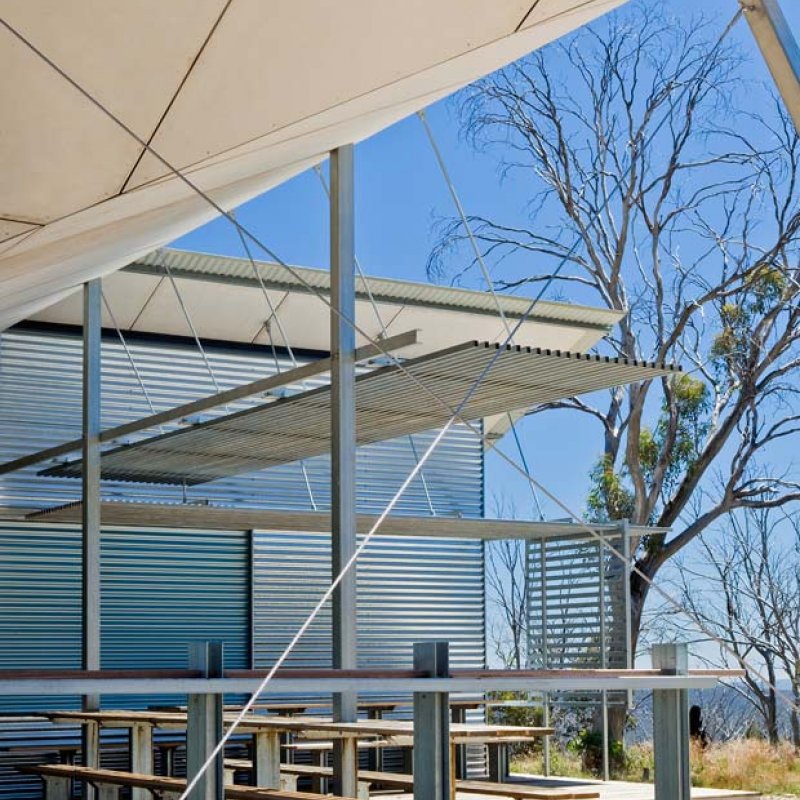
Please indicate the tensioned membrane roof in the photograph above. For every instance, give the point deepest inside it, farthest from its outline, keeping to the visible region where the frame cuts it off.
(238, 95)
(390, 402)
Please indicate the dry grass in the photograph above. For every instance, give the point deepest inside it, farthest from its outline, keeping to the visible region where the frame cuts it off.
(748, 764)
(743, 764)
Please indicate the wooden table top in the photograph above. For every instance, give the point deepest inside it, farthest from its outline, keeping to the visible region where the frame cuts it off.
(308, 727)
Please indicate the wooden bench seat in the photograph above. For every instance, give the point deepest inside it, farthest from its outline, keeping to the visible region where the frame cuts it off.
(57, 779)
(368, 778)
(291, 773)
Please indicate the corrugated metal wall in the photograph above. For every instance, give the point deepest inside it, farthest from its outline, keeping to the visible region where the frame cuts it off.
(153, 602)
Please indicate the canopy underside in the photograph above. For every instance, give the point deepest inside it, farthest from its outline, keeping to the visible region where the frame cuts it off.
(237, 94)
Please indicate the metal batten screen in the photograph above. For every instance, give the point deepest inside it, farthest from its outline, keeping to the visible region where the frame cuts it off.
(578, 603)
(40, 397)
(390, 403)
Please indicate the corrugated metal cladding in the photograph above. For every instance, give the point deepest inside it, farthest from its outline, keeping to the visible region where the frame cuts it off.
(153, 601)
(408, 590)
(161, 590)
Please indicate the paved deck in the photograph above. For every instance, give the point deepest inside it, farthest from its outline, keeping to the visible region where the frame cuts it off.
(624, 790)
(612, 790)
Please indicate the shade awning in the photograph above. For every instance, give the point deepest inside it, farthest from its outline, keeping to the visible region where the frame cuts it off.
(390, 402)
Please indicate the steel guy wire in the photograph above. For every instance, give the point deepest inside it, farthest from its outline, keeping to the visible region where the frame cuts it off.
(384, 332)
(183, 178)
(423, 118)
(179, 174)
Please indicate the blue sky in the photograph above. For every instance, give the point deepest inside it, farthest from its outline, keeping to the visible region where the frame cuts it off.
(400, 195)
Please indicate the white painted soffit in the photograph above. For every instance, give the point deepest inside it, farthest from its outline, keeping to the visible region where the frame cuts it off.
(239, 94)
(226, 302)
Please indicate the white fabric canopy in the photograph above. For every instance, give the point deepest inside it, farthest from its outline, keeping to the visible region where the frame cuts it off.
(239, 94)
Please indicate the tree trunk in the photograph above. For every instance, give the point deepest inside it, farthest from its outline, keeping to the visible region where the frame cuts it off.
(772, 709)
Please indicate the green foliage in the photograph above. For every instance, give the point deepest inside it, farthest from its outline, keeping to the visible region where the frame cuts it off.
(588, 744)
(609, 498)
(528, 715)
(762, 288)
(679, 435)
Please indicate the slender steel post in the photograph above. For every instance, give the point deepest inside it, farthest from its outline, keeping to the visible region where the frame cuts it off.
(433, 764)
(603, 658)
(343, 452)
(545, 653)
(625, 530)
(671, 726)
(204, 720)
(90, 508)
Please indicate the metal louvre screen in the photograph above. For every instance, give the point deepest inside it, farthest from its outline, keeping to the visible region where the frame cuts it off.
(578, 603)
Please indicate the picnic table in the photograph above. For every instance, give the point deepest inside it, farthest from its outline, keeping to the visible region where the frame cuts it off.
(266, 732)
(375, 709)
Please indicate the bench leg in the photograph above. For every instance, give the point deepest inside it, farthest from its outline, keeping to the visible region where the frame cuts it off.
(229, 776)
(459, 715)
(57, 788)
(498, 763)
(319, 782)
(107, 791)
(288, 783)
(363, 790)
(90, 744)
(267, 760)
(141, 745)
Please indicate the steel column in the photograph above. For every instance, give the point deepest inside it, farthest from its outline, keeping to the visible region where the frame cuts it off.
(671, 726)
(90, 509)
(204, 724)
(432, 752)
(545, 654)
(779, 48)
(343, 452)
(625, 531)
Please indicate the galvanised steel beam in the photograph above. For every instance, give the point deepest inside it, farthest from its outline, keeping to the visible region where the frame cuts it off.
(204, 724)
(779, 48)
(637, 680)
(90, 507)
(343, 452)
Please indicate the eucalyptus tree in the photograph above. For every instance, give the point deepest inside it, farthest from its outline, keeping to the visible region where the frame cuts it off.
(662, 182)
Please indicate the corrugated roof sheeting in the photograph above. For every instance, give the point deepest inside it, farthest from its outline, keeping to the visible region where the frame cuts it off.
(390, 402)
(203, 265)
